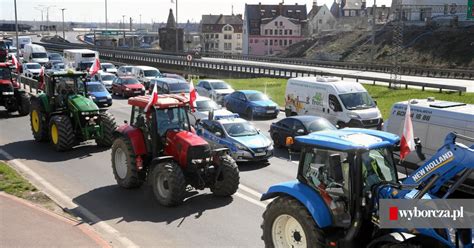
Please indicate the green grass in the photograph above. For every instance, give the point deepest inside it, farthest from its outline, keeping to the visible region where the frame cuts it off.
(385, 97)
(12, 183)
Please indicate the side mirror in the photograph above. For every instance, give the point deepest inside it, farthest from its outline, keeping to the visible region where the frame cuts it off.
(335, 168)
(300, 131)
(418, 148)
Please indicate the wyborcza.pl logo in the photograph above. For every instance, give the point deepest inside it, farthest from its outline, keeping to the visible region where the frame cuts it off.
(423, 213)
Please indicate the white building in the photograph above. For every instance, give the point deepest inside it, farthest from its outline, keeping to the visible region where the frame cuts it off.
(221, 33)
(425, 10)
(320, 19)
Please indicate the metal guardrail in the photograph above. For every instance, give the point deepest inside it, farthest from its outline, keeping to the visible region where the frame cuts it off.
(178, 64)
(411, 70)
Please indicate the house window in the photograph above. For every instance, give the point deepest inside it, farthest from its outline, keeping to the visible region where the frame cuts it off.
(285, 42)
(227, 46)
(291, 31)
(217, 36)
(276, 24)
(256, 41)
(265, 42)
(281, 31)
(217, 45)
(320, 21)
(276, 41)
(207, 36)
(266, 31)
(281, 23)
(227, 28)
(271, 42)
(290, 42)
(271, 31)
(227, 37)
(251, 40)
(280, 42)
(276, 32)
(286, 31)
(238, 36)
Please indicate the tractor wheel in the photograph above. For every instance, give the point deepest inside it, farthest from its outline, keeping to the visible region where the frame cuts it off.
(169, 184)
(39, 128)
(124, 164)
(107, 121)
(61, 132)
(23, 100)
(227, 182)
(287, 223)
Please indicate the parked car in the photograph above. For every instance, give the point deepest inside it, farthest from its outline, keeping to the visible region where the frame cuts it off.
(31, 70)
(244, 141)
(214, 89)
(55, 57)
(105, 78)
(98, 93)
(108, 67)
(127, 86)
(171, 75)
(145, 73)
(169, 85)
(204, 105)
(295, 126)
(252, 103)
(57, 66)
(124, 70)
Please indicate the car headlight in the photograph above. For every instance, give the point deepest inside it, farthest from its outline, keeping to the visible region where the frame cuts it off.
(240, 146)
(127, 89)
(109, 97)
(270, 147)
(353, 115)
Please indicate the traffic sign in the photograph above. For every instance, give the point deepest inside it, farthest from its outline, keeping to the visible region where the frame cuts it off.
(470, 6)
(189, 58)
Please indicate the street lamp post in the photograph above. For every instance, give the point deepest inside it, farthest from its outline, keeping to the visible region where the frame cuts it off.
(140, 21)
(123, 21)
(177, 26)
(64, 34)
(16, 35)
(373, 31)
(105, 14)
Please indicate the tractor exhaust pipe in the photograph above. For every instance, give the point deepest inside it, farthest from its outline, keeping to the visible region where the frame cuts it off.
(352, 233)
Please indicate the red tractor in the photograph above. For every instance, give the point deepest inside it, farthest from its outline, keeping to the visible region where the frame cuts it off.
(163, 149)
(11, 96)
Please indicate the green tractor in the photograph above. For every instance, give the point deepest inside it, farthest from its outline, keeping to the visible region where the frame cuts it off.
(66, 116)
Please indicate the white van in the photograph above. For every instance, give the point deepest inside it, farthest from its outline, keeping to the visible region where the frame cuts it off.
(432, 121)
(343, 103)
(22, 40)
(33, 53)
(79, 59)
(145, 73)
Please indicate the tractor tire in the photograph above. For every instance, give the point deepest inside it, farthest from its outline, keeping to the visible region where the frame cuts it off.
(276, 231)
(39, 128)
(227, 182)
(107, 121)
(23, 101)
(61, 133)
(124, 164)
(168, 183)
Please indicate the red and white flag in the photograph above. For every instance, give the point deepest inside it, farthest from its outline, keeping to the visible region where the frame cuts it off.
(407, 144)
(41, 79)
(95, 67)
(153, 99)
(192, 95)
(16, 63)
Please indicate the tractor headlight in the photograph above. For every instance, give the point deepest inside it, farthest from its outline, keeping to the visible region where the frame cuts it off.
(84, 113)
(7, 93)
(87, 118)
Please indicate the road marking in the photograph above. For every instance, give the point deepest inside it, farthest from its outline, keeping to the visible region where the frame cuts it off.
(256, 202)
(59, 196)
(250, 191)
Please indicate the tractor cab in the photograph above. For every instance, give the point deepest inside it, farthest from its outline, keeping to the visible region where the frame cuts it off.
(63, 84)
(11, 96)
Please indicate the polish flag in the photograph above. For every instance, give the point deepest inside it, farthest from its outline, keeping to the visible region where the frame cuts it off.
(95, 67)
(41, 79)
(153, 99)
(407, 144)
(16, 63)
(192, 95)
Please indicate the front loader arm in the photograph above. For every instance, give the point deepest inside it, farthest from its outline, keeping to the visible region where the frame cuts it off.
(451, 159)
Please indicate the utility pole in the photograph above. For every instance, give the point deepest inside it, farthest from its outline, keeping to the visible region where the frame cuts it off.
(64, 34)
(177, 28)
(123, 21)
(397, 46)
(105, 14)
(140, 21)
(372, 58)
(16, 35)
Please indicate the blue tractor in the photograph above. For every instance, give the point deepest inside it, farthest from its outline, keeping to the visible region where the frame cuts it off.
(342, 175)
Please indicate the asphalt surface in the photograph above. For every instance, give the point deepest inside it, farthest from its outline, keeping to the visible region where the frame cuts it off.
(85, 176)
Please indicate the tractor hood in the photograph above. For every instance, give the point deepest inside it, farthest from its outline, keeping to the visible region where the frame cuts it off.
(190, 138)
(83, 104)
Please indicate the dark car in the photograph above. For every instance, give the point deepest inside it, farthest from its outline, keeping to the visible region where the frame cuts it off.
(171, 75)
(98, 93)
(169, 85)
(127, 86)
(295, 126)
(251, 103)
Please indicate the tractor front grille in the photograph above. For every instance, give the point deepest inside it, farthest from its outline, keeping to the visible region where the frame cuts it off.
(6, 88)
(198, 152)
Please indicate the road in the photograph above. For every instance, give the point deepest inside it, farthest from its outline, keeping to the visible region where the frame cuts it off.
(84, 175)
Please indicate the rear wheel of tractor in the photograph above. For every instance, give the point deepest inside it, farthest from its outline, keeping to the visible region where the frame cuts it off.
(38, 126)
(107, 120)
(124, 164)
(287, 223)
(62, 134)
(169, 184)
(227, 182)
(23, 103)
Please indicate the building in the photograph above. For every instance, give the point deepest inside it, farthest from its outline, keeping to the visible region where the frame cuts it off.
(169, 34)
(353, 7)
(320, 19)
(221, 33)
(270, 29)
(427, 10)
(381, 14)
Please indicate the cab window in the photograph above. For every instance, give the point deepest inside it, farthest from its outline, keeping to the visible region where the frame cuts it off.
(334, 104)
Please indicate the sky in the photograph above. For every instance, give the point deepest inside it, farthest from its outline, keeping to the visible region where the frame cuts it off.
(156, 10)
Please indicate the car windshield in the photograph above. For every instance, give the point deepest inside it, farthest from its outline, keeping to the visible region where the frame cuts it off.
(95, 88)
(151, 73)
(206, 105)
(257, 97)
(357, 100)
(59, 66)
(319, 125)
(240, 129)
(220, 85)
(377, 166)
(130, 81)
(5, 73)
(127, 68)
(55, 56)
(108, 66)
(108, 77)
(12, 50)
(85, 65)
(39, 55)
(171, 119)
(33, 66)
(179, 87)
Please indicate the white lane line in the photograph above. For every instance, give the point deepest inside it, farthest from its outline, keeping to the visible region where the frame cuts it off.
(251, 200)
(250, 191)
(66, 201)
